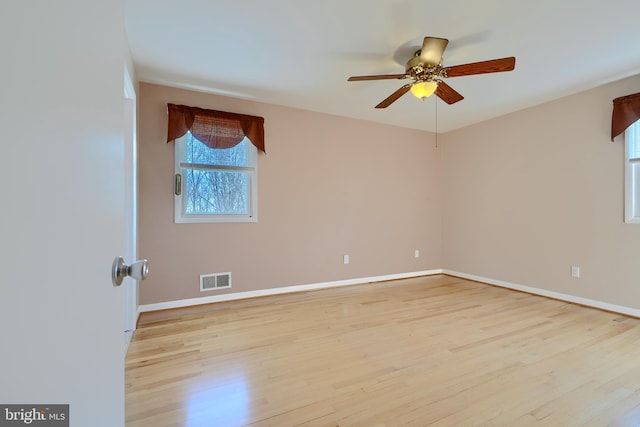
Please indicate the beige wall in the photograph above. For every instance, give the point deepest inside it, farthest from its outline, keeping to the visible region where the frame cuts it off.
(527, 195)
(520, 199)
(328, 186)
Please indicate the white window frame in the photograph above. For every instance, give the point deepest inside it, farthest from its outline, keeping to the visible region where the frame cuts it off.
(632, 174)
(180, 217)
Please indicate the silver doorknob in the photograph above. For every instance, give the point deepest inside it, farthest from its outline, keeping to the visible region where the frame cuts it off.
(138, 270)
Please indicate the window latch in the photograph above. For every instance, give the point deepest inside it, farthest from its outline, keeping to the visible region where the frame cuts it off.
(178, 184)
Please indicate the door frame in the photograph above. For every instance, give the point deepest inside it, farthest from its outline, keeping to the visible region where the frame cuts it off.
(130, 206)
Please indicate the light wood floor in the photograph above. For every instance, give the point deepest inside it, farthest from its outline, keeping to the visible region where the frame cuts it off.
(428, 351)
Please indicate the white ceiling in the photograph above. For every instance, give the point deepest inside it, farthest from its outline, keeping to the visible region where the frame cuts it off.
(299, 53)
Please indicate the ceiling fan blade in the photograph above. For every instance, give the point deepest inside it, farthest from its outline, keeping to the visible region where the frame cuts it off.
(447, 93)
(378, 77)
(394, 96)
(483, 67)
(432, 50)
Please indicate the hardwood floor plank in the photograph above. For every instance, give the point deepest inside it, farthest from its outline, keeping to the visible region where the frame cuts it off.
(435, 350)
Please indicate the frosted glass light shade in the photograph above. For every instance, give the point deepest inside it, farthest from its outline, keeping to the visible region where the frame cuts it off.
(424, 89)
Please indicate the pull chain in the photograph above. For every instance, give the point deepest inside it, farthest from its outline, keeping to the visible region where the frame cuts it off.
(436, 122)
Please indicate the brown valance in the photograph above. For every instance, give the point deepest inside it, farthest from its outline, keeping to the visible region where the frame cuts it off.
(626, 111)
(215, 129)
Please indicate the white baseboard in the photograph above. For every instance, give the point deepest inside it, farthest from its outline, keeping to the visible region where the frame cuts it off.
(276, 291)
(550, 294)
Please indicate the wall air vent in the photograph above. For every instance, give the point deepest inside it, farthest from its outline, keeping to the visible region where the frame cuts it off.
(212, 282)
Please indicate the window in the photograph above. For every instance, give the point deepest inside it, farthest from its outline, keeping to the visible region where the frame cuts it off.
(632, 173)
(215, 184)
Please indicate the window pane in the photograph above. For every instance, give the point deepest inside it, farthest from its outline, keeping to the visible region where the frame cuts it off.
(633, 133)
(197, 152)
(216, 192)
(635, 189)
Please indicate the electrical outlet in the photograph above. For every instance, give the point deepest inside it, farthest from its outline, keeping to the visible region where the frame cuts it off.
(345, 259)
(417, 253)
(575, 271)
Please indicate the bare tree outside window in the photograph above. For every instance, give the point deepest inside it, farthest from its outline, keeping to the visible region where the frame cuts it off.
(216, 181)
(216, 191)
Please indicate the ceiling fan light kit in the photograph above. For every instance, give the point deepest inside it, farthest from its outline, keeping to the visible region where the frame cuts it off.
(426, 71)
(425, 89)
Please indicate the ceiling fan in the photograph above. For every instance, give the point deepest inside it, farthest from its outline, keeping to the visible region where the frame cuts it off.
(426, 71)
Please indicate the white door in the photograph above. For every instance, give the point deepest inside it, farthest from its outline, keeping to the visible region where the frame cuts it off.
(61, 214)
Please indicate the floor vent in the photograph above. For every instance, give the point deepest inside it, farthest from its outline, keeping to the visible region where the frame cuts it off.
(212, 282)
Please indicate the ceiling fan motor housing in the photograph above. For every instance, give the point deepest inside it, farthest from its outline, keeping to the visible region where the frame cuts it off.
(422, 72)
